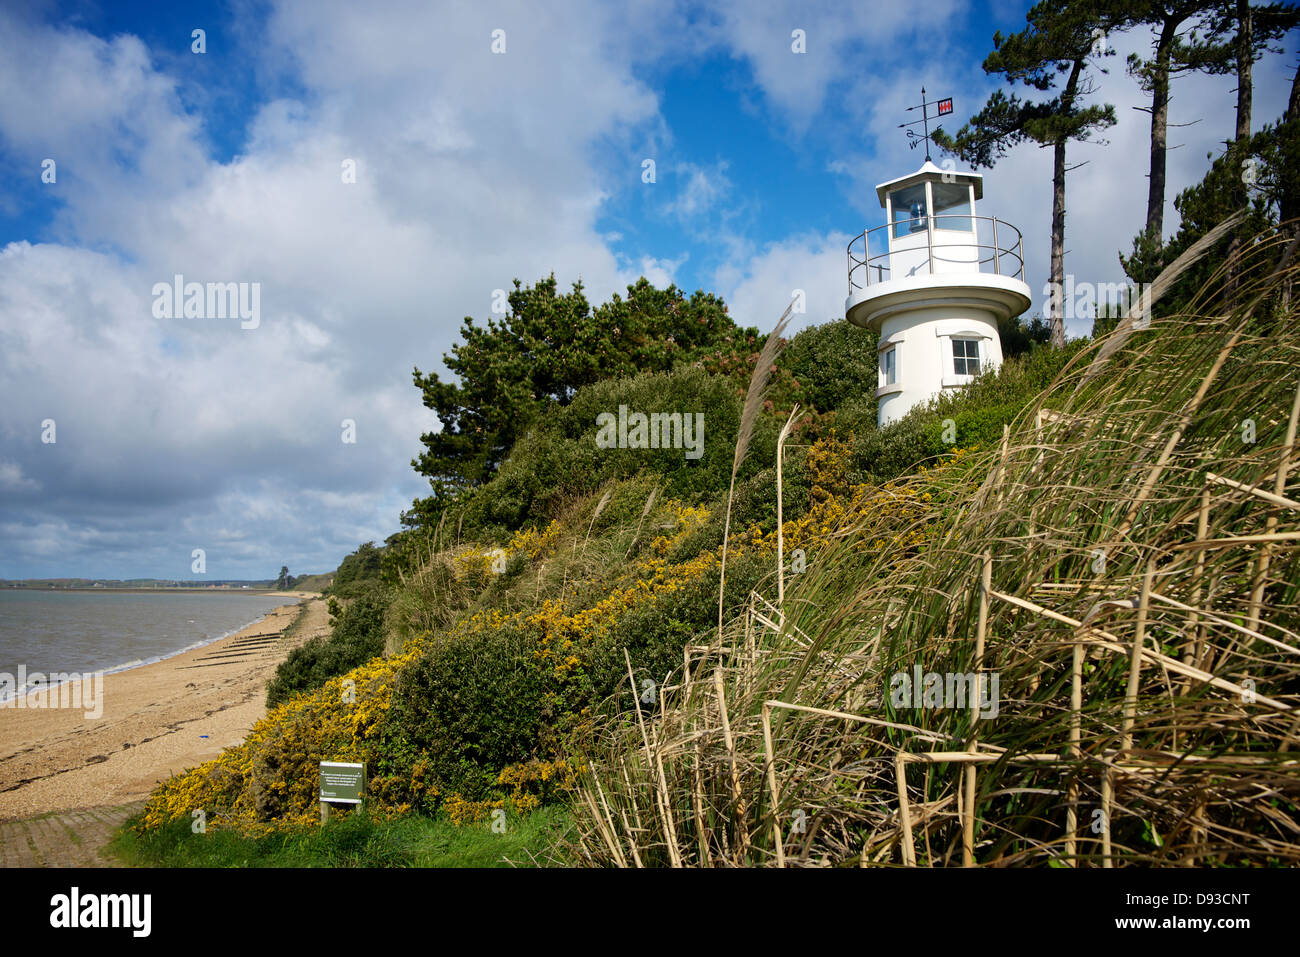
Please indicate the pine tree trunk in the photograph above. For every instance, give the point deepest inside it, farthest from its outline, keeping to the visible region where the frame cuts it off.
(1245, 60)
(1056, 319)
(1245, 57)
(1160, 131)
(1056, 312)
(1293, 107)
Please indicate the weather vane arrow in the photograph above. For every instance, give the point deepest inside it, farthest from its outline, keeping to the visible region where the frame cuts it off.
(943, 108)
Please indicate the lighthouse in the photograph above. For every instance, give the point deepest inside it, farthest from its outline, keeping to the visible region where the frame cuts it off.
(933, 282)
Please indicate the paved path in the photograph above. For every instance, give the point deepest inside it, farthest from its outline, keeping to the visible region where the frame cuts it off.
(64, 839)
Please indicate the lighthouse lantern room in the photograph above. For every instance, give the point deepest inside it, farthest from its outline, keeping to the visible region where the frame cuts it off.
(934, 282)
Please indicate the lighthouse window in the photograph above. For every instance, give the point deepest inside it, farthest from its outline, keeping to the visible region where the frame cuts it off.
(952, 206)
(966, 356)
(889, 366)
(909, 210)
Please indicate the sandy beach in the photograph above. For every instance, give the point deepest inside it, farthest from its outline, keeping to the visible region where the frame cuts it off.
(157, 719)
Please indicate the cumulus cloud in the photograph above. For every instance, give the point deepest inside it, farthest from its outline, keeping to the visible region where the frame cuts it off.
(806, 268)
(175, 434)
(661, 272)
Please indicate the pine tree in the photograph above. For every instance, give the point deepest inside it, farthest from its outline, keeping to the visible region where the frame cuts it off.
(549, 345)
(1228, 38)
(1059, 45)
(1173, 53)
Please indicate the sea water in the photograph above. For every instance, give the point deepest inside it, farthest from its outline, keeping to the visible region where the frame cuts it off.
(90, 631)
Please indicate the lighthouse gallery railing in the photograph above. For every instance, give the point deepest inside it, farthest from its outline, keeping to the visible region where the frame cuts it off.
(1003, 256)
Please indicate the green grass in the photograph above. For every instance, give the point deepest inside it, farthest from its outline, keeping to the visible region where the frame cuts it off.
(355, 841)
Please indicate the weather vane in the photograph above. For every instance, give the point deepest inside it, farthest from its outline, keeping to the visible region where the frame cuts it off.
(944, 108)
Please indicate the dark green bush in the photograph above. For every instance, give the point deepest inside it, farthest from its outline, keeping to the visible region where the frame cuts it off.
(471, 706)
(832, 363)
(358, 573)
(559, 461)
(357, 637)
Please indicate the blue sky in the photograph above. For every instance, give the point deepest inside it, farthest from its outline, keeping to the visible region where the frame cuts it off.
(473, 168)
(728, 159)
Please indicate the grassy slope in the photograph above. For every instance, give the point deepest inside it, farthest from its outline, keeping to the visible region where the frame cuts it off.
(316, 583)
(606, 573)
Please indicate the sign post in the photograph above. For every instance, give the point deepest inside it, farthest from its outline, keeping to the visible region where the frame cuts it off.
(340, 783)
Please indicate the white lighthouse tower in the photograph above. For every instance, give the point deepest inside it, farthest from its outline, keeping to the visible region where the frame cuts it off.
(933, 282)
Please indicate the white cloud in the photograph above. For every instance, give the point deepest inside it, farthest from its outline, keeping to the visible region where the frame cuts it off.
(13, 480)
(473, 169)
(701, 189)
(758, 287)
(841, 43)
(661, 272)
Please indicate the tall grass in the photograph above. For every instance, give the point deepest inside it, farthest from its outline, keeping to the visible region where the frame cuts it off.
(1113, 564)
(754, 398)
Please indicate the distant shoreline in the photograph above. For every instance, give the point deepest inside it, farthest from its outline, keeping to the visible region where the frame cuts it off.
(207, 590)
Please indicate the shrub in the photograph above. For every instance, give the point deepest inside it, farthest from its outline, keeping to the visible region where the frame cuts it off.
(655, 633)
(357, 637)
(832, 363)
(358, 572)
(470, 706)
(558, 460)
